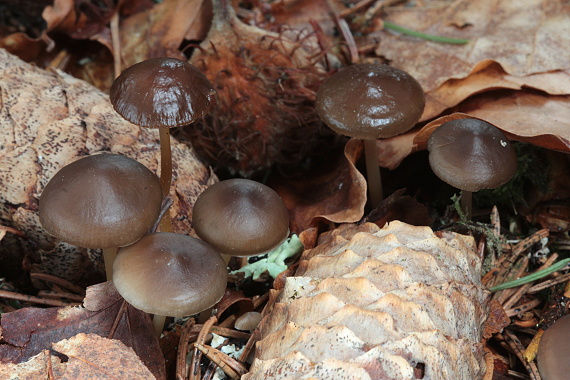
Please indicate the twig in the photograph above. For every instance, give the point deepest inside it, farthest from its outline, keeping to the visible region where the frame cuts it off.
(181, 365)
(549, 283)
(63, 296)
(518, 349)
(58, 281)
(32, 299)
(229, 365)
(197, 355)
(522, 308)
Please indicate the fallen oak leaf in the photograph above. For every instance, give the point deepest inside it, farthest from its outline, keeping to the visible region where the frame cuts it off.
(89, 357)
(28, 331)
(37, 367)
(93, 357)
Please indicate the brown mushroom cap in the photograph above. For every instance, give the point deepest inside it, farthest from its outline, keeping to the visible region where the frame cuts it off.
(161, 92)
(370, 101)
(471, 154)
(170, 274)
(240, 217)
(554, 351)
(101, 201)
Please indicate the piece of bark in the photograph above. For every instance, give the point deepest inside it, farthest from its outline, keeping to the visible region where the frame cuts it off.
(391, 303)
(49, 119)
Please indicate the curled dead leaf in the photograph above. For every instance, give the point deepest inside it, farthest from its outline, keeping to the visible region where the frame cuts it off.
(336, 194)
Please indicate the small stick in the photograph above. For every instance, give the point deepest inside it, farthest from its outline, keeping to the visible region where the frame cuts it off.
(58, 281)
(32, 299)
(518, 349)
(63, 296)
(229, 365)
(547, 284)
(197, 355)
(181, 365)
(522, 308)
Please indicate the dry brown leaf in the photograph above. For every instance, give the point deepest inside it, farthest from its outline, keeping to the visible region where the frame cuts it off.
(539, 119)
(524, 38)
(28, 331)
(160, 31)
(89, 357)
(49, 119)
(37, 367)
(93, 357)
(336, 194)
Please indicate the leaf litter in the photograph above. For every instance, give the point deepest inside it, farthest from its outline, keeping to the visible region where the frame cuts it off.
(518, 81)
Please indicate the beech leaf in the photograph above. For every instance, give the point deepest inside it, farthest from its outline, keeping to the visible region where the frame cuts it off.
(26, 332)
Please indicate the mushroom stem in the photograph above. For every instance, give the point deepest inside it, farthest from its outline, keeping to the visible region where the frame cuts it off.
(165, 160)
(373, 178)
(466, 203)
(109, 255)
(165, 173)
(158, 323)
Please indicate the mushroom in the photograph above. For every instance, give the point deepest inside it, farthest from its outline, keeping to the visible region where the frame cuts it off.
(162, 93)
(554, 350)
(370, 101)
(101, 201)
(471, 154)
(169, 274)
(241, 217)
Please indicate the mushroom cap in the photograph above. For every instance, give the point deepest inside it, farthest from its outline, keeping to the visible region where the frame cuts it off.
(370, 101)
(101, 201)
(170, 274)
(471, 154)
(240, 217)
(161, 92)
(554, 350)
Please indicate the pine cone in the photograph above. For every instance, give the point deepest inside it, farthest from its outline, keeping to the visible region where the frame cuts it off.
(368, 303)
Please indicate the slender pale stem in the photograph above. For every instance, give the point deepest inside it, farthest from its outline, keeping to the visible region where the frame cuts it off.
(165, 173)
(467, 203)
(165, 161)
(158, 323)
(109, 255)
(373, 178)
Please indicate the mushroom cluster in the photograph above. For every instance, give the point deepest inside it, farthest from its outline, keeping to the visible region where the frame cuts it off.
(109, 201)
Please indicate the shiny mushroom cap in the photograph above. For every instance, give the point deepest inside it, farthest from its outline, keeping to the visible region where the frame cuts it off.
(161, 92)
(241, 217)
(370, 101)
(471, 154)
(170, 274)
(101, 201)
(554, 351)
